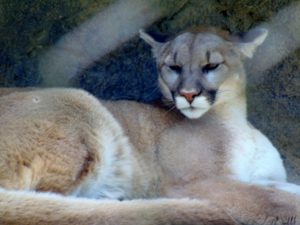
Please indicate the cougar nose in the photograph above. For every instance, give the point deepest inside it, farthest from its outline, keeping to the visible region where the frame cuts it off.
(189, 95)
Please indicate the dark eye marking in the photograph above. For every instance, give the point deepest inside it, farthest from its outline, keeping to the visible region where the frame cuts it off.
(210, 67)
(212, 96)
(176, 68)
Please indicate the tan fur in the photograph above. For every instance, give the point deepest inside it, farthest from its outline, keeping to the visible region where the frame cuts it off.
(61, 141)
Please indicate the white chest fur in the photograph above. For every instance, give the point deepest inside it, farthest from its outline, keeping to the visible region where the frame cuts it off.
(253, 157)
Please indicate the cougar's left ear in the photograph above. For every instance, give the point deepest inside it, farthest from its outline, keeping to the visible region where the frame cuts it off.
(156, 46)
(251, 40)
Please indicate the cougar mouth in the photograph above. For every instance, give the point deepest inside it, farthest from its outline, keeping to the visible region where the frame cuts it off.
(193, 113)
(193, 110)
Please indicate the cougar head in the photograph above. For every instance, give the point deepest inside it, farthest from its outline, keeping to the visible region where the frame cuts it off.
(195, 68)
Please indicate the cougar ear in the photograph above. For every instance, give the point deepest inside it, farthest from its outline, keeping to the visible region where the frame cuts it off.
(156, 46)
(251, 40)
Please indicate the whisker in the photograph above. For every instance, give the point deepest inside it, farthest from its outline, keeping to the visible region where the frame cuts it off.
(152, 92)
(169, 110)
(225, 92)
(168, 103)
(222, 91)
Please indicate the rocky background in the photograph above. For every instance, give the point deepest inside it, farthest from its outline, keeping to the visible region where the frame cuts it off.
(28, 29)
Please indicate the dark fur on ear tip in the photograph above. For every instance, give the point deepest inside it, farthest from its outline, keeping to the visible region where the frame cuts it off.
(250, 35)
(158, 36)
(254, 33)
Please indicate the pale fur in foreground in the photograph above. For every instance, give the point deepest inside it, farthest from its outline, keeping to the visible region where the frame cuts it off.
(67, 142)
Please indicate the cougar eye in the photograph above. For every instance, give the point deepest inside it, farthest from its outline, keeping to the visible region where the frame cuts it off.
(176, 68)
(210, 67)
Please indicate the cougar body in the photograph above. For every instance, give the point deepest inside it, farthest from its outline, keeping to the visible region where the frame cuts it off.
(67, 142)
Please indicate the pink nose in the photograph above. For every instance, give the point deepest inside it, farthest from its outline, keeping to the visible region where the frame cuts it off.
(189, 95)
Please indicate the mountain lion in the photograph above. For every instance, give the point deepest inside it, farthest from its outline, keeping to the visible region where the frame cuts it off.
(202, 165)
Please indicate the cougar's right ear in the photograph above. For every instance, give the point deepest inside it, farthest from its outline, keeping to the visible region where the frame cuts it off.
(156, 46)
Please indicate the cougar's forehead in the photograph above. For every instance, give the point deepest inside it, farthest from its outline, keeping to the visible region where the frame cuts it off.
(208, 48)
(179, 49)
(196, 48)
(206, 42)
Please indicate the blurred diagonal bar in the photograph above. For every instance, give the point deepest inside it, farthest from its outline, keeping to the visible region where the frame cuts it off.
(283, 38)
(100, 35)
